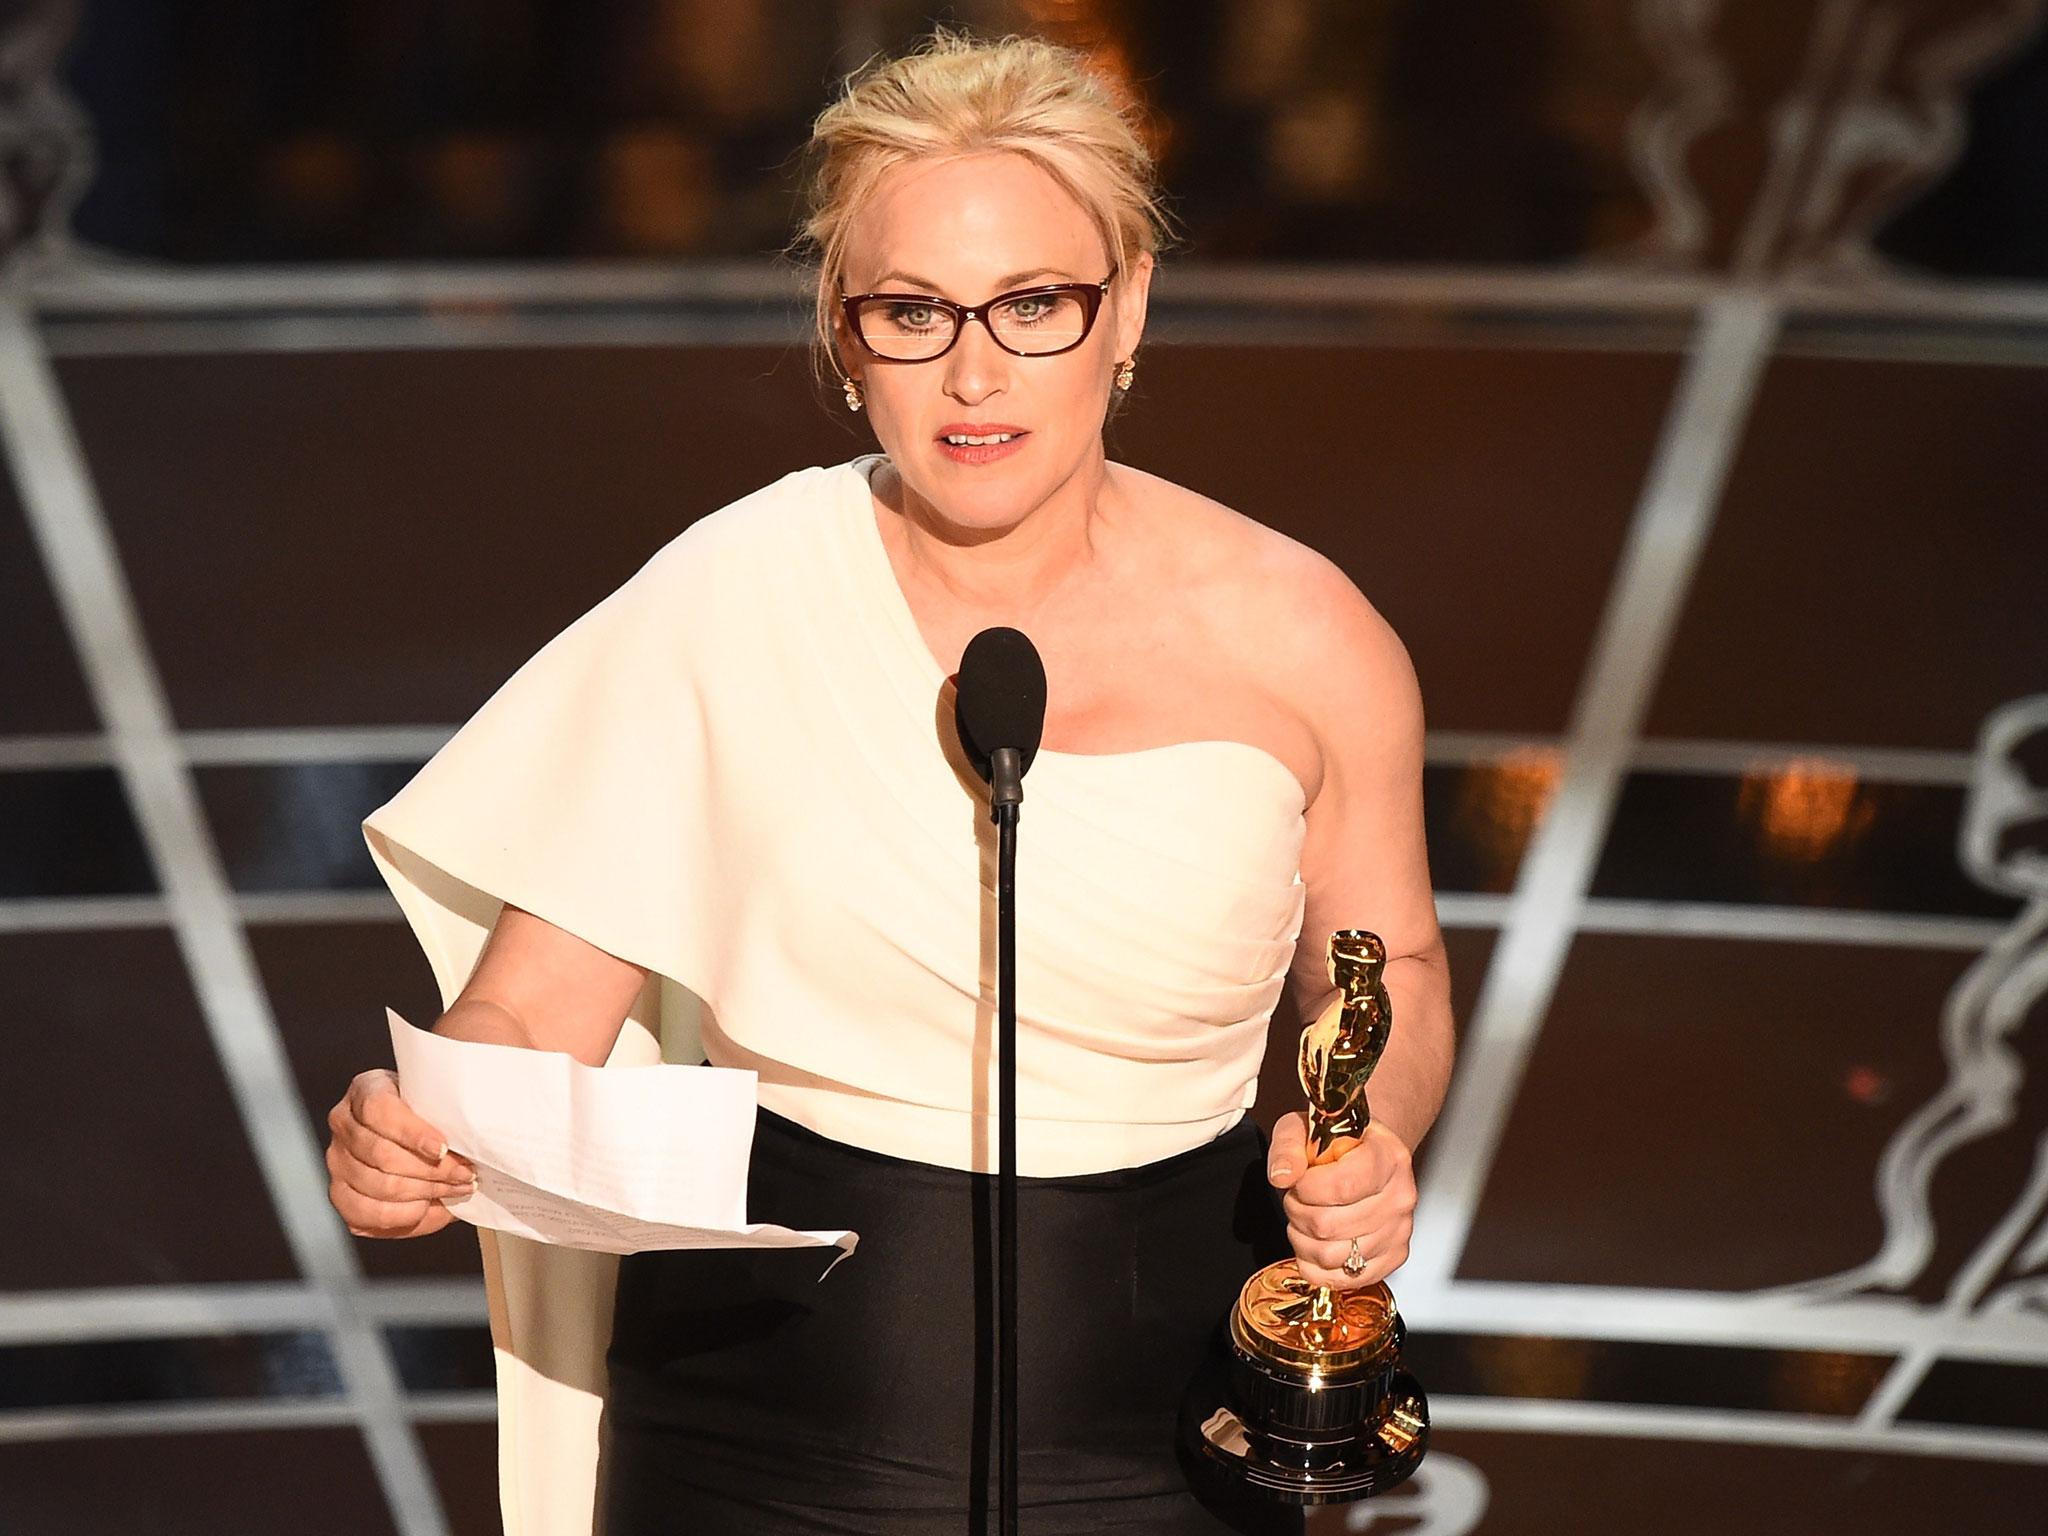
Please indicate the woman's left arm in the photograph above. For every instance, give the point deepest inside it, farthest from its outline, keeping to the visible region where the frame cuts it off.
(1366, 866)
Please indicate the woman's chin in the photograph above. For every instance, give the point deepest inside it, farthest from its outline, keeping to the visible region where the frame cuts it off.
(989, 499)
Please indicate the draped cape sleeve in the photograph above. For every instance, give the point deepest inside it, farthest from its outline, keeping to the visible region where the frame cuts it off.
(583, 791)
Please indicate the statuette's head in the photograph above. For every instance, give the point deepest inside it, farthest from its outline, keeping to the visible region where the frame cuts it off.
(1355, 949)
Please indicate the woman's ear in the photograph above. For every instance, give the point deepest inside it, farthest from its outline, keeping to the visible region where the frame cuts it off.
(843, 347)
(1133, 295)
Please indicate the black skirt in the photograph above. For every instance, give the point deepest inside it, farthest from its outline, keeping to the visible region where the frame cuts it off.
(749, 1398)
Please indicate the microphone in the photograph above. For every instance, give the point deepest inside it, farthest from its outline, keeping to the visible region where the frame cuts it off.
(999, 709)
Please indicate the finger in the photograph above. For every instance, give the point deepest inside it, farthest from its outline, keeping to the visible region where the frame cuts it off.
(1358, 1175)
(1364, 1171)
(366, 1217)
(1396, 1200)
(381, 1083)
(378, 1105)
(436, 1217)
(379, 1185)
(369, 1149)
(372, 1150)
(1330, 1253)
(1340, 1221)
(1288, 1153)
(373, 1107)
(370, 1218)
(1323, 1264)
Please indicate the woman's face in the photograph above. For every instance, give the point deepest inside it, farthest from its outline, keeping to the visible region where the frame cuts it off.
(966, 230)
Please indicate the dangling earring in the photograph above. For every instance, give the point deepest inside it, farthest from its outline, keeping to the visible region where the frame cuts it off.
(1125, 372)
(853, 398)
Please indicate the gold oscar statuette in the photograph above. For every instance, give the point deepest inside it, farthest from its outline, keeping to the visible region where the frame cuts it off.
(1319, 1410)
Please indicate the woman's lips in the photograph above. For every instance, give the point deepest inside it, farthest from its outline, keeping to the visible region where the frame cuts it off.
(985, 451)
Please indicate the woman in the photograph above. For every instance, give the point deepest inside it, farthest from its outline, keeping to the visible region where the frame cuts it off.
(737, 775)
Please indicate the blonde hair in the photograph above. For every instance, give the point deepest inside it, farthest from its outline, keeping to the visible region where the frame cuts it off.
(956, 96)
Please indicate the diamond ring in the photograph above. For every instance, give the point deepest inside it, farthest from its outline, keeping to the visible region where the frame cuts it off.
(1354, 1261)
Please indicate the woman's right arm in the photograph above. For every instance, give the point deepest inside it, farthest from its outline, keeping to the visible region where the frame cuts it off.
(535, 986)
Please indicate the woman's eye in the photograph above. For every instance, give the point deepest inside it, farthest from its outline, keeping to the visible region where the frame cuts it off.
(913, 317)
(1042, 311)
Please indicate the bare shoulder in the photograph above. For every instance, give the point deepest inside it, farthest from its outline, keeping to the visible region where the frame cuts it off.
(1303, 627)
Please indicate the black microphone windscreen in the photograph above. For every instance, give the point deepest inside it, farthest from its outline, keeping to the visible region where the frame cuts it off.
(1001, 697)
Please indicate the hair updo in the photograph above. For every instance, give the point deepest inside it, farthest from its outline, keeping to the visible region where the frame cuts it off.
(958, 96)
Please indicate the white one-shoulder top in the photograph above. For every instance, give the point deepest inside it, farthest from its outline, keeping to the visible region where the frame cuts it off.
(738, 772)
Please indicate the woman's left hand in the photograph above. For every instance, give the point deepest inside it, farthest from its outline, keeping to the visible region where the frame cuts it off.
(1367, 1193)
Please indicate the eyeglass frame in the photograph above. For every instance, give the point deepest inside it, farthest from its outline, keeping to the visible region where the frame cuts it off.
(1090, 294)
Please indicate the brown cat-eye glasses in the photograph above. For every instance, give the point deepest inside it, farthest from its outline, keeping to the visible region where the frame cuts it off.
(1029, 322)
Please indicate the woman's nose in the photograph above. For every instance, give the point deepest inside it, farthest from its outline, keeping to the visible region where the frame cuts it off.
(976, 367)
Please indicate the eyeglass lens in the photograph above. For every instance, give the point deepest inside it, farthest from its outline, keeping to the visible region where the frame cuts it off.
(1033, 324)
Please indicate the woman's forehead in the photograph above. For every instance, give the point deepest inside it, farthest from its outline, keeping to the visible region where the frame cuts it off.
(972, 220)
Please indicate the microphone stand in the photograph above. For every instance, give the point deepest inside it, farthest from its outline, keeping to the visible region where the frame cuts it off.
(1006, 790)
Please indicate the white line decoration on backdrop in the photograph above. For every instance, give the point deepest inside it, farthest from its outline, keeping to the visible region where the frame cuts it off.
(1993, 1021)
(1896, 127)
(1696, 93)
(1703, 424)
(91, 588)
(1994, 1033)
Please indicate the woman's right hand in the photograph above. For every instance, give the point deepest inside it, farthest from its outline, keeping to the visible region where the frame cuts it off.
(388, 1170)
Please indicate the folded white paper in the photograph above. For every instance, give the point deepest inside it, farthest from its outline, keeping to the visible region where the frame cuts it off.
(613, 1159)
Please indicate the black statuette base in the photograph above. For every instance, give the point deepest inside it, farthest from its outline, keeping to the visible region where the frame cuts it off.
(1302, 1444)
